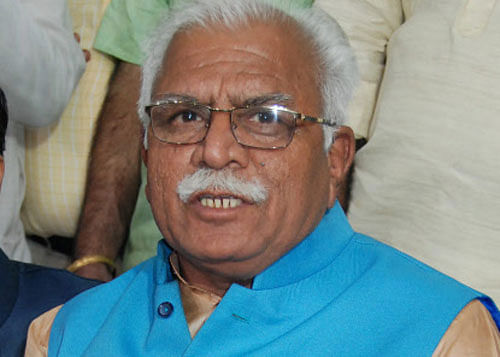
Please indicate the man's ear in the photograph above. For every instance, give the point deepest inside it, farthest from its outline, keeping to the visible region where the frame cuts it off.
(340, 156)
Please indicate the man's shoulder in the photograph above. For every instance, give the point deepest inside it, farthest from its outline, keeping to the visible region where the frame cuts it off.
(81, 317)
(399, 294)
(412, 277)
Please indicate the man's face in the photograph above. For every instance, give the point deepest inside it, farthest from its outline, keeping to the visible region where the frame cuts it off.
(225, 68)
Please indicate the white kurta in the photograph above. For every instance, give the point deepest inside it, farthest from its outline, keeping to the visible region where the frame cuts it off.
(428, 181)
(40, 64)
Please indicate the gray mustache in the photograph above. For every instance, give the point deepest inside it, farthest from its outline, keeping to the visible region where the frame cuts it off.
(221, 180)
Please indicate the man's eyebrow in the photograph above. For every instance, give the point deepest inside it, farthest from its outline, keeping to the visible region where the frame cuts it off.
(266, 99)
(165, 97)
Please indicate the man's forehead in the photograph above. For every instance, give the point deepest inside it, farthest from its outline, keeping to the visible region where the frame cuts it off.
(255, 38)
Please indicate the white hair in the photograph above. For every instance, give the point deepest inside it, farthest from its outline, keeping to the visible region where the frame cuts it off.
(337, 70)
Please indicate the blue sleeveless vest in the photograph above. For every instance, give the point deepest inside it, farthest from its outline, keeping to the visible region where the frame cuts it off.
(335, 293)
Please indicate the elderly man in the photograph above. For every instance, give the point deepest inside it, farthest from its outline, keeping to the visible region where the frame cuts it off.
(258, 258)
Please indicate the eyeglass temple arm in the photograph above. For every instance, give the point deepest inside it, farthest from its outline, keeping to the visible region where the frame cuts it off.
(316, 120)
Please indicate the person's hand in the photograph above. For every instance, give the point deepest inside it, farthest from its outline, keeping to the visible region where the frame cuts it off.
(86, 53)
(96, 271)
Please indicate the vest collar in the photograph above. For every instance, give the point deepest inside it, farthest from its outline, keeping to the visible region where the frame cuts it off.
(315, 252)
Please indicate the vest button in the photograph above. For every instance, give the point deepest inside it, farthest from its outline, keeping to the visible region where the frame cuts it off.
(165, 309)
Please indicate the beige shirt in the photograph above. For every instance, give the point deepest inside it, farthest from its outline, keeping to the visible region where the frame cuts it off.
(428, 180)
(198, 303)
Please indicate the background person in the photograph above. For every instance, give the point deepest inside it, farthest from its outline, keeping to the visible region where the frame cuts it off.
(427, 180)
(40, 64)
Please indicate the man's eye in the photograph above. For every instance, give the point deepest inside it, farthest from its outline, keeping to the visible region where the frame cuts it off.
(265, 117)
(185, 117)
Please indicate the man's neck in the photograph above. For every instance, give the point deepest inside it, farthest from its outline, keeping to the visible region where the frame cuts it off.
(204, 279)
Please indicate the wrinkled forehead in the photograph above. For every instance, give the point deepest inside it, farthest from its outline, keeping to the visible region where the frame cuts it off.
(246, 60)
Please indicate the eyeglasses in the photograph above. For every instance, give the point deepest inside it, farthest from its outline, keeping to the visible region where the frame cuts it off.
(262, 127)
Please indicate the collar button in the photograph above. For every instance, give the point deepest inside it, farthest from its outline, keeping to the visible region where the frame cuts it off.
(165, 309)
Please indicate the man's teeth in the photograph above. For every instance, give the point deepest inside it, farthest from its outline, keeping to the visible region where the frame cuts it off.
(225, 202)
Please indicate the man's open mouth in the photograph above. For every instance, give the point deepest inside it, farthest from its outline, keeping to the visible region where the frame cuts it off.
(223, 202)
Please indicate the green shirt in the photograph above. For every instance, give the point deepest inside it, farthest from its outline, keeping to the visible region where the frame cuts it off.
(126, 25)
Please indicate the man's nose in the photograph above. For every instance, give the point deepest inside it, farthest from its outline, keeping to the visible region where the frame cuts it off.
(220, 149)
